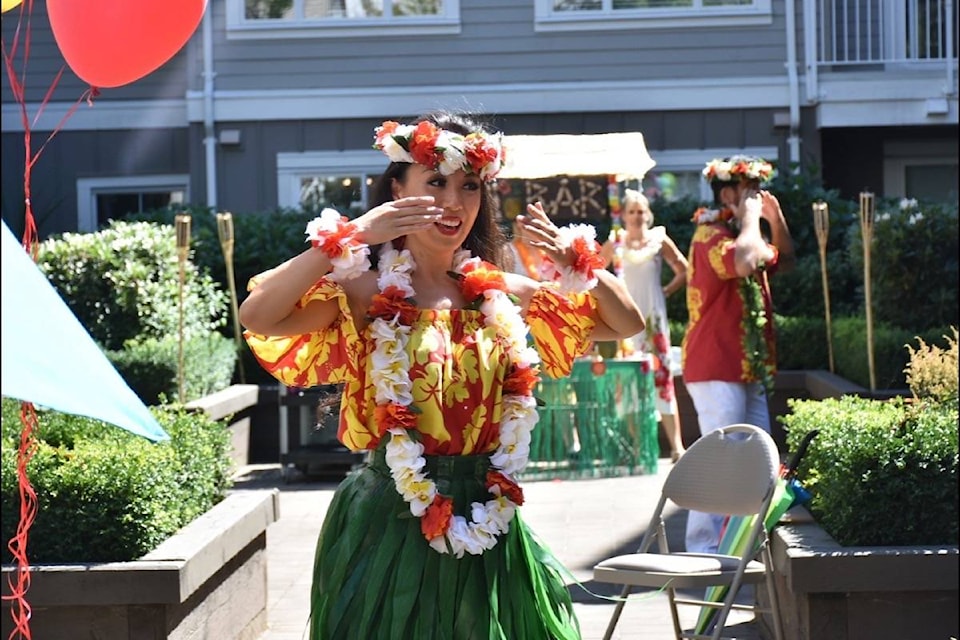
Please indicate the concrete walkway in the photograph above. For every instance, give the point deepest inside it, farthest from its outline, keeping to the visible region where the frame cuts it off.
(582, 521)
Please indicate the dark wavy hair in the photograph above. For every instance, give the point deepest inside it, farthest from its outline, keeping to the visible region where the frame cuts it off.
(486, 238)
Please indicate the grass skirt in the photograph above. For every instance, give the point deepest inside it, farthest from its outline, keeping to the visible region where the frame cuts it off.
(375, 576)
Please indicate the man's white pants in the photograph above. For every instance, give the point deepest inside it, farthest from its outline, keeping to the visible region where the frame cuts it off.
(720, 404)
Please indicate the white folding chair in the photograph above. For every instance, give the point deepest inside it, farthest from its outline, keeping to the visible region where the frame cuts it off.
(732, 471)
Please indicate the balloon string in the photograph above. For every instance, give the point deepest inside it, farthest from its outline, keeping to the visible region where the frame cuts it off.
(19, 582)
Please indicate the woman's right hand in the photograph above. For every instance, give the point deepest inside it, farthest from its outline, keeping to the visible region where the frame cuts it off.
(397, 218)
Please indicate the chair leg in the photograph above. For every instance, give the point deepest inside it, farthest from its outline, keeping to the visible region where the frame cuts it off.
(772, 596)
(616, 612)
(677, 629)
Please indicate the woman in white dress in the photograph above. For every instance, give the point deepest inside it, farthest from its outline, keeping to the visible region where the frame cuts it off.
(638, 252)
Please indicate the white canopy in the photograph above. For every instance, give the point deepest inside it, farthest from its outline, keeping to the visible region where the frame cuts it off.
(623, 155)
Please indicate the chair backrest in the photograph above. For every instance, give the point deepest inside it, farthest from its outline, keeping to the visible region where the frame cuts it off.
(728, 471)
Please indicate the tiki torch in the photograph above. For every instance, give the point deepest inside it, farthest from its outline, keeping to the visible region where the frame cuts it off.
(225, 233)
(866, 231)
(821, 223)
(183, 250)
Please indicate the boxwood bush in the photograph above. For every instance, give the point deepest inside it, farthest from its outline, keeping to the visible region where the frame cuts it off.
(885, 472)
(122, 283)
(105, 494)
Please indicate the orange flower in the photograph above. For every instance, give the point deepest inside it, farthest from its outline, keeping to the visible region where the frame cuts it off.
(333, 243)
(507, 486)
(478, 152)
(480, 278)
(521, 381)
(436, 520)
(423, 145)
(588, 255)
(393, 415)
(384, 130)
(390, 303)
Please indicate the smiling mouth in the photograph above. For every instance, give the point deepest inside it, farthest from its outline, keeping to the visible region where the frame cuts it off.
(448, 225)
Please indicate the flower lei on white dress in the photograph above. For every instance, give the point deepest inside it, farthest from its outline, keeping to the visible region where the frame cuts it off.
(393, 311)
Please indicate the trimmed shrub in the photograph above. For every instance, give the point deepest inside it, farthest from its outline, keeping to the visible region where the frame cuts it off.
(879, 472)
(150, 366)
(105, 494)
(123, 282)
(914, 264)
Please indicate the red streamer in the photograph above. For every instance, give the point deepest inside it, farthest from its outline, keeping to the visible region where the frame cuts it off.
(19, 582)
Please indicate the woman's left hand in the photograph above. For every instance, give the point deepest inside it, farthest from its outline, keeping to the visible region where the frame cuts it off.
(540, 232)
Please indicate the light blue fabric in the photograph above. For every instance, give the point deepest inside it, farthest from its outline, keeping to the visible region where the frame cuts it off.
(49, 359)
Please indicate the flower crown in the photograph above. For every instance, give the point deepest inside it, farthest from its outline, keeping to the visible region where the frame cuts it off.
(479, 152)
(738, 168)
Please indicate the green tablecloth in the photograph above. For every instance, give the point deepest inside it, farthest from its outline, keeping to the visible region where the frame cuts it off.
(599, 421)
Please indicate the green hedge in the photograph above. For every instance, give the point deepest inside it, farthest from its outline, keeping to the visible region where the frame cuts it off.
(150, 366)
(105, 494)
(122, 283)
(880, 472)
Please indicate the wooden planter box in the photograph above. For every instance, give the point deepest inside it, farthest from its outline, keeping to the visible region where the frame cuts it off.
(207, 582)
(237, 402)
(830, 592)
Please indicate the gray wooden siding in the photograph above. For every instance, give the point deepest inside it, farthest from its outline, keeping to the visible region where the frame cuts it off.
(84, 154)
(498, 45)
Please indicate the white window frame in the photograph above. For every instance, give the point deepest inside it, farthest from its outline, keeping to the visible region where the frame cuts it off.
(607, 18)
(292, 167)
(697, 159)
(240, 28)
(89, 188)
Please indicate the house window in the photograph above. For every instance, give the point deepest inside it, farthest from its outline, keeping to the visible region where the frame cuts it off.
(568, 15)
(100, 200)
(340, 18)
(926, 170)
(313, 180)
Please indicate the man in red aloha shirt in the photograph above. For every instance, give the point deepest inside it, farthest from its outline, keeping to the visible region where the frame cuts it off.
(729, 352)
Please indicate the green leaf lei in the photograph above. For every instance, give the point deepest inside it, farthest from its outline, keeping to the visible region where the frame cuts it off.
(754, 341)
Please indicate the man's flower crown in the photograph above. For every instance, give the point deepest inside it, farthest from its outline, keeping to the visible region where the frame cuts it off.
(738, 168)
(479, 152)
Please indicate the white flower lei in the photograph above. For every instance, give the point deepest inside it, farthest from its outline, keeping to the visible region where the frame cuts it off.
(404, 455)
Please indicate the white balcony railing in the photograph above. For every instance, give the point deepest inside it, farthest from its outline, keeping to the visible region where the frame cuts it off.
(880, 34)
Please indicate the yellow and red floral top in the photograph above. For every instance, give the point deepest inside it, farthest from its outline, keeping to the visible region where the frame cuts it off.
(458, 366)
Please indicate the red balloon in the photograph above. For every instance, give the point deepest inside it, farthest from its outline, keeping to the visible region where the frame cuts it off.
(109, 43)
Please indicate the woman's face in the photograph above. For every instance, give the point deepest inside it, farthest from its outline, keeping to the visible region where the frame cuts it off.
(459, 194)
(635, 216)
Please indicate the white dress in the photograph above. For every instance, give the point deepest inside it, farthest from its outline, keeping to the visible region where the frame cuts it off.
(642, 268)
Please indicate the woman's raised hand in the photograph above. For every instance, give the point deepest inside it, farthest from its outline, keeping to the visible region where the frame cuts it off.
(397, 218)
(544, 235)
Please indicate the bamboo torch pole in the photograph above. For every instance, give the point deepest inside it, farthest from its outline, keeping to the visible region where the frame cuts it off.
(866, 231)
(821, 223)
(225, 233)
(183, 250)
